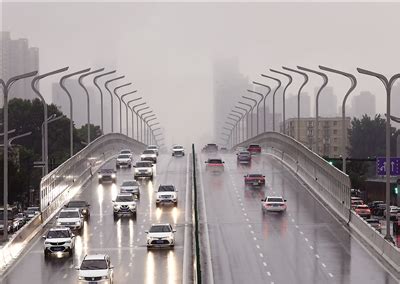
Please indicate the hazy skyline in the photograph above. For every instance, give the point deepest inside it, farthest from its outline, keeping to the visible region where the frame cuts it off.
(167, 49)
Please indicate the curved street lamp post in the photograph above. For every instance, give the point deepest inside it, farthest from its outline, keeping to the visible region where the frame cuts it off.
(273, 97)
(258, 105)
(120, 103)
(101, 95)
(112, 101)
(126, 109)
(264, 101)
(251, 117)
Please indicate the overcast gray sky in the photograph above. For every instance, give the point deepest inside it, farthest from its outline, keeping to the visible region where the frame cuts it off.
(166, 49)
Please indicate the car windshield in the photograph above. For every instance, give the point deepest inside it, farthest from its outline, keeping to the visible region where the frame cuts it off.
(275, 199)
(148, 152)
(254, 146)
(244, 153)
(20, 215)
(123, 157)
(58, 234)
(177, 147)
(255, 175)
(164, 188)
(75, 204)
(160, 229)
(214, 161)
(69, 214)
(143, 165)
(124, 198)
(152, 147)
(93, 264)
(125, 152)
(106, 171)
(362, 207)
(130, 183)
(33, 208)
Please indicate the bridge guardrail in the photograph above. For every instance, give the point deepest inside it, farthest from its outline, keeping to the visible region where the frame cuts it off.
(328, 183)
(62, 183)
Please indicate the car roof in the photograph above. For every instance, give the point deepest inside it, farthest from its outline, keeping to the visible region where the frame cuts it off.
(124, 194)
(130, 180)
(274, 197)
(163, 224)
(60, 228)
(95, 256)
(126, 150)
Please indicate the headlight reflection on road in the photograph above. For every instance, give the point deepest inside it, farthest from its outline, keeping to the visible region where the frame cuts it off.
(131, 232)
(171, 267)
(150, 268)
(79, 247)
(114, 191)
(175, 214)
(150, 190)
(158, 214)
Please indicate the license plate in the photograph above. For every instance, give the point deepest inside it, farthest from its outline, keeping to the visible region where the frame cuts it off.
(92, 282)
(276, 205)
(58, 249)
(255, 183)
(159, 242)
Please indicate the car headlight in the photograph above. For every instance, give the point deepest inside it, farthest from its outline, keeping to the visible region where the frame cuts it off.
(116, 206)
(132, 206)
(47, 243)
(113, 176)
(84, 211)
(68, 242)
(100, 176)
(81, 278)
(77, 223)
(58, 223)
(104, 277)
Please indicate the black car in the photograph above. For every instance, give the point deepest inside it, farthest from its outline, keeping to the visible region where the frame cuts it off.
(107, 175)
(82, 205)
(375, 207)
(210, 148)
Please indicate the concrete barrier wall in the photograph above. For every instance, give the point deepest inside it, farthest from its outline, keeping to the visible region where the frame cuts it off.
(62, 183)
(330, 184)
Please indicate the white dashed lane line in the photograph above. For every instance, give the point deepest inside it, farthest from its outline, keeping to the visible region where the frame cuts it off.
(65, 276)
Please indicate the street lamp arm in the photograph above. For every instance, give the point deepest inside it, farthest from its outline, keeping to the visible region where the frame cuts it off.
(18, 136)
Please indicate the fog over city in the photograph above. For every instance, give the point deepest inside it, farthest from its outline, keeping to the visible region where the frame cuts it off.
(169, 50)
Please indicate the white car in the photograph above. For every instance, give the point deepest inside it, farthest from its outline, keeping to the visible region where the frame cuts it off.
(143, 169)
(274, 204)
(178, 150)
(59, 240)
(160, 235)
(124, 204)
(71, 218)
(166, 194)
(394, 210)
(96, 268)
(149, 155)
(123, 160)
(126, 152)
(154, 148)
(130, 186)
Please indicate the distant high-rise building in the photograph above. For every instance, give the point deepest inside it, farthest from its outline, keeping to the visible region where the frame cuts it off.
(79, 99)
(291, 105)
(327, 105)
(18, 58)
(229, 85)
(364, 103)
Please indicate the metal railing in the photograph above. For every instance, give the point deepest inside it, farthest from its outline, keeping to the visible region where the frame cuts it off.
(329, 184)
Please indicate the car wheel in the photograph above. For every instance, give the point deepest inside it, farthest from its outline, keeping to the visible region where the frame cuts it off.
(46, 254)
(70, 252)
(151, 178)
(115, 216)
(176, 204)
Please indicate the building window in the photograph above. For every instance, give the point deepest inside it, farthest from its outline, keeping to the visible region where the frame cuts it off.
(335, 149)
(335, 131)
(334, 123)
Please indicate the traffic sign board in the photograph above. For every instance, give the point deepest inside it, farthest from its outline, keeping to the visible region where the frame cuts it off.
(394, 166)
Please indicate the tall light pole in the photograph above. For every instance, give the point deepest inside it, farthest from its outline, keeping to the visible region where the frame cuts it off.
(325, 82)
(258, 105)
(298, 97)
(50, 119)
(80, 81)
(245, 114)
(145, 119)
(126, 108)
(150, 127)
(141, 121)
(273, 97)
(137, 118)
(240, 117)
(120, 104)
(388, 84)
(247, 118)
(6, 88)
(132, 112)
(283, 96)
(264, 100)
(95, 79)
(236, 123)
(71, 108)
(353, 85)
(231, 130)
(112, 101)
(252, 108)
(36, 91)
(17, 137)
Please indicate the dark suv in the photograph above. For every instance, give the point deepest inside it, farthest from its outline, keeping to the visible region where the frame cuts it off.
(107, 175)
(210, 148)
(82, 205)
(244, 157)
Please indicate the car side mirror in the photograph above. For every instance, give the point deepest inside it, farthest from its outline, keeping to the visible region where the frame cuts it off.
(285, 200)
(111, 266)
(173, 231)
(43, 237)
(147, 231)
(72, 235)
(65, 205)
(88, 205)
(77, 267)
(223, 162)
(263, 176)
(262, 199)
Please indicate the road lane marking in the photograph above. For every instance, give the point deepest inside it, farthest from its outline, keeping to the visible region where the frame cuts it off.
(296, 227)
(254, 238)
(249, 226)
(269, 273)
(311, 247)
(257, 246)
(252, 232)
(126, 274)
(301, 233)
(317, 256)
(323, 264)
(292, 220)
(261, 255)
(264, 263)
(247, 219)
(330, 274)
(306, 239)
(65, 276)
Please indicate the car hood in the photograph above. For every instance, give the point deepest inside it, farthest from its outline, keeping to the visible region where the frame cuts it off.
(130, 187)
(160, 235)
(148, 155)
(93, 273)
(68, 219)
(58, 240)
(125, 203)
(178, 150)
(123, 159)
(144, 168)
